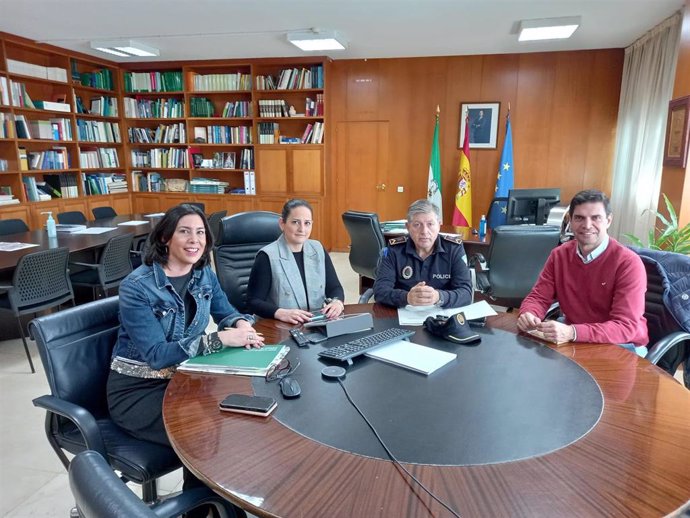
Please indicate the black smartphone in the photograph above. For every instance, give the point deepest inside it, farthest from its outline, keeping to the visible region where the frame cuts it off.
(252, 405)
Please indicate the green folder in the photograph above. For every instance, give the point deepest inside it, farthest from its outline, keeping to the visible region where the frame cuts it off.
(238, 360)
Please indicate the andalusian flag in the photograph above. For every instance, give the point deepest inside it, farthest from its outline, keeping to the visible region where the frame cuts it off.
(434, 186)
(498, 212)
(462, 212)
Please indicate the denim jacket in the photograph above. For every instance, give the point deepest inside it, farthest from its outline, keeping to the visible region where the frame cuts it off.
(152, 339)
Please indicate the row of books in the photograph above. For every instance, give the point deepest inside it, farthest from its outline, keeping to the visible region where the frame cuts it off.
(7, 126)
(146, 182)
(207, 186)
(4, 91)
(269, 132)
(203, 107)
(163, 134)
(292, 78)
(104, 183)
(7, 199)
(56, 158)
(21, 98)
(153, 108)
(30, 69)
(274, 108)
(104, 106)
(313, 133)
(52, 186)
(98, 131)
(165, 158)
(223, 134)
(222, 82)
(170, 81)
(314, 108)
(97, 158)
(102, 78)
(53, 129)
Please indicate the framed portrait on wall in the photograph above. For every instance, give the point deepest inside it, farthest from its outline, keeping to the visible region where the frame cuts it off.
(483, 124)
(676, 143)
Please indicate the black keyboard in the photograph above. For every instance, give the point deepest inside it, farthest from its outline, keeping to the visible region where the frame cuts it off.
(348, 350)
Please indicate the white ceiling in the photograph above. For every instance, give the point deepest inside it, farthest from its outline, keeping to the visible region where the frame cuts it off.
(206, 29)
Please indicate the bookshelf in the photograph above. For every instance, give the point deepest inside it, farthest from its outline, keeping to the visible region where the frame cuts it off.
(171, 125)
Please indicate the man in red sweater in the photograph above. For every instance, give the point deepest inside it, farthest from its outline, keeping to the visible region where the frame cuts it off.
(599, 284)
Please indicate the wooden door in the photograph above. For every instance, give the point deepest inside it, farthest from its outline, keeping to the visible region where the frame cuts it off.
(362, 179)
(271, 171)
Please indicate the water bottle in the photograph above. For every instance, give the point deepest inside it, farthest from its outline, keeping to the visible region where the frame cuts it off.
(50, 225)
(482, 226)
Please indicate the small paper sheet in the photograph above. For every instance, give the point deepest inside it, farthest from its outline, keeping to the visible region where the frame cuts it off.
(155, 215)
(409, 355)
(94, 230)
(11, 247)
(415, 317)
(133, 223)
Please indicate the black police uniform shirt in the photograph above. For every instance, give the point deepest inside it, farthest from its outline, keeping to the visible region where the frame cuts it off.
(401, 268)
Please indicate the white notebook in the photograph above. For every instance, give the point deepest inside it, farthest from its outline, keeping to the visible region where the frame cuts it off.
(412, 356)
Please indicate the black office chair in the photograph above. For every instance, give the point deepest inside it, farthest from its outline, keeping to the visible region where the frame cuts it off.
(138, 250)
(197, 204)
(40, 281)
(517, 254)
(214, 223)
(241, 237)
(113, 266)
(99, 493)
(366, 243)
(103, 212)
(75, 346)
(12, 226)
(73, 217)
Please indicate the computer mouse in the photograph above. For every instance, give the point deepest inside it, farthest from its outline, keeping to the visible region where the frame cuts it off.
(289, 387)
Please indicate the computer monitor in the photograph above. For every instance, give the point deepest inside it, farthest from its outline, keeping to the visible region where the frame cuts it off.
(531, 206)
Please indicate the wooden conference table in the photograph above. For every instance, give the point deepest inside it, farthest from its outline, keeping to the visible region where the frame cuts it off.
(77, 243)
(634, 460)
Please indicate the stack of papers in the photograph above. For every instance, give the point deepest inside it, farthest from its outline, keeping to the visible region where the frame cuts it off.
(62, 227)
(412, 356)
(238, 360)
(416, 315)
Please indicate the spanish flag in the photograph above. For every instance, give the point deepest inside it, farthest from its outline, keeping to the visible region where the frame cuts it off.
(462, 212)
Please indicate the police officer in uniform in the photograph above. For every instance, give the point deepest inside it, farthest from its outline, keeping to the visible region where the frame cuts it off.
(424, 269)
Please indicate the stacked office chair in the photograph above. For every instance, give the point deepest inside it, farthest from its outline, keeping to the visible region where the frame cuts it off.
(100, 494)
(517, 254)
(242, 235)
(214, 223)
(113, 266)
(366, 243)
(73, 217)
(12, 226)
(103, 212)
(40, 281)
(75, 347)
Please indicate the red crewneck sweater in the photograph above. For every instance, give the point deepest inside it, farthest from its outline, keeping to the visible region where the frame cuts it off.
(604, 299)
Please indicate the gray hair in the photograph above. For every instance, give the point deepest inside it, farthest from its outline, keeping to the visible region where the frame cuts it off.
(423, 207)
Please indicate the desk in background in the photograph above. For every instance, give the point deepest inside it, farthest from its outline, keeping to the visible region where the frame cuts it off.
(633, 462)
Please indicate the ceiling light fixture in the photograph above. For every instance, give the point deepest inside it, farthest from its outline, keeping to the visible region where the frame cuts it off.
(548, 28)
(125, 48)
(316, 40)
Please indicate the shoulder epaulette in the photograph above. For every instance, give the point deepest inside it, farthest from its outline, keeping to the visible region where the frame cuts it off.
(397, 240)
(453, 238)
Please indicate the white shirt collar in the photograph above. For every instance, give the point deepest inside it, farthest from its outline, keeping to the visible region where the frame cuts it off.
(594, 253)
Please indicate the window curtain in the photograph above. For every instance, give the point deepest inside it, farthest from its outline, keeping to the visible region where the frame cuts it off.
(647, 86)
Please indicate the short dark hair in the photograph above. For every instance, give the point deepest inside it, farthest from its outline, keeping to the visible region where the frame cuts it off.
(292, 204)
(589, 196)
(162, 233)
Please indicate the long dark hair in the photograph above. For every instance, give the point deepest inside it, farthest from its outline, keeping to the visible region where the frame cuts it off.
(157, 243)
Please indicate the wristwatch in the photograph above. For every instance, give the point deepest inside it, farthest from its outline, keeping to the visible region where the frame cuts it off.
(441, 299)
(328, 300)
(213, 343)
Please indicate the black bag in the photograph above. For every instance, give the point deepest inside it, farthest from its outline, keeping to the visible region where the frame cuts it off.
(454, 328)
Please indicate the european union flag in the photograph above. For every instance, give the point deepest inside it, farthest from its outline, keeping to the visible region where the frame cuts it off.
(504, 182)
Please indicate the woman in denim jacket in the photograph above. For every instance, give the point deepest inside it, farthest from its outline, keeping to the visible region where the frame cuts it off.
(165, 306)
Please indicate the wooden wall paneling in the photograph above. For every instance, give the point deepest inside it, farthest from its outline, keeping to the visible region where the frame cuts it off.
(272, 171)
(145, 203)
(606, 69)
(307, 171)
(240, 203)
(38, 220)
(68, 205)
(16, 211)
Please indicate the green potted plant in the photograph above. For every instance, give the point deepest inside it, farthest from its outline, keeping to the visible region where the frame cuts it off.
(668, 235)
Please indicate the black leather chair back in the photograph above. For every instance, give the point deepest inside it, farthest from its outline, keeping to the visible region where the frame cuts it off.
(73, 217)
(12, 226)
(214, 223)
(103, 212)
(516, 257)
(241, 237)
(366, 241)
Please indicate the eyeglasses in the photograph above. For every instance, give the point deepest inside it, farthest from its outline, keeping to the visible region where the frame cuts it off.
(284, 368)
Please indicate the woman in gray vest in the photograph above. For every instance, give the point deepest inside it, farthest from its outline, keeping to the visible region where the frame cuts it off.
(294, 276)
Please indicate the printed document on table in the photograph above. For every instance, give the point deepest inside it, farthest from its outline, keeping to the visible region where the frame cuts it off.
(11, 247)
(412, 317)
(94, 230)
(133, 223)
(408, 355)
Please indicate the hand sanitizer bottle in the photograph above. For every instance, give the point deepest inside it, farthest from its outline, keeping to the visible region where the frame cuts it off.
(50, 225)
(482, 226)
